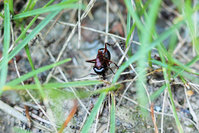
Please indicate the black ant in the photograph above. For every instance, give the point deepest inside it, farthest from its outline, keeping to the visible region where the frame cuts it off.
(102, 61)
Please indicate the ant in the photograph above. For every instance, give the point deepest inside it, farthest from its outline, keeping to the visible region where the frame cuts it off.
(102, 61)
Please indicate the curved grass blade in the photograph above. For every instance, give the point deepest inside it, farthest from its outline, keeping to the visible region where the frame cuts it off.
(29, 37)
(112, 126)
(188, 13)
(31, 23)
(157, 93)
(135, 17)
(6, 45)
(62, 5)
(56, 85)
(54, 89)
(35, 72)
(167, 77)
(146, 36)
(93, 114)
(135, 57)
(11, 6)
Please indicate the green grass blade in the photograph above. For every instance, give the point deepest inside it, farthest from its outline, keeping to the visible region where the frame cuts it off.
(112, 126)
(157, 93)
(135, 57)
(93, 113)
(36, 79)
(28, 6)
(29, 37)
(74, 84)
(188, 13)
(35, 72)
(134, 15)
(54, 85)
(172, 102)
(54, 90)
(6, 45)
(166, 77)
(145, 41)
(11, 6)
(60, 6)
(172, 43)
(1, 15)
(30, 24)
(33, 4)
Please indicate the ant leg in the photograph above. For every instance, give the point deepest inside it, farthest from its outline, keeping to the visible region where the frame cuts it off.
(113, 63)
(91, 61)
(111, 70)
(109, 44)
(105, 49)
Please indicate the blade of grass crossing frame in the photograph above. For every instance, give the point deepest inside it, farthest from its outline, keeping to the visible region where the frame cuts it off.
(161, 89)
(172, 43)
(33, 4)
(93, 113)
(135, 57)
(166, 77)
(52, 8)
(188, 12)
(6, 45)
(28, 6)
(30, 24)
(1, 15)
(35, 72)
(30, 36)
(36, 79)
(55, 85)
(112, 123)
(11, 6)
(134, 15)
(146, 38)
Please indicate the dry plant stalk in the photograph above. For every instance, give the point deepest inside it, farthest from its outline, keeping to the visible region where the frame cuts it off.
(28, 116)
(153, 118)
(70, 116)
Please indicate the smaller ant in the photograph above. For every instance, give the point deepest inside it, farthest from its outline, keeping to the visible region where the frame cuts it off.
(102, 61)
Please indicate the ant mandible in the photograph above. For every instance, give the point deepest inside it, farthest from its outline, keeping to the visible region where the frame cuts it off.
(102, 61)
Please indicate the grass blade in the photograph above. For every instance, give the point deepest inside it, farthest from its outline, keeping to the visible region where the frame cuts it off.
(135, 57)
(11, 6)
(31, 23)
(5, 60)
(93, 114)
(54, 90)
(188, 13)
(29, 37)
(135, 17)
(166, 77)
(35, 72)
(112, 126)
(56, 85)
(146, 36)
(60, 6)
